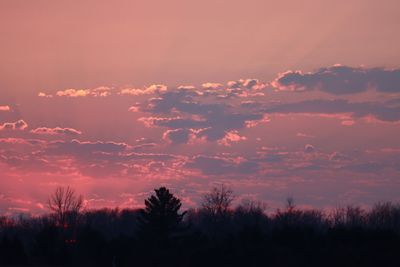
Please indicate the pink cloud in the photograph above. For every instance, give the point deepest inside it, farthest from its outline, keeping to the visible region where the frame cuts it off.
(231, 137)
(153, 121)
(96, 92)
(212, 85)
(5, 108)
(337, 156)
(18, 125)
(146, 91)
(215, 165)
(305, 135)
(253, 123)
(215, 132)
(253, 84)
(56, 131)
(41, 94)
(348, 122)
(14, 141)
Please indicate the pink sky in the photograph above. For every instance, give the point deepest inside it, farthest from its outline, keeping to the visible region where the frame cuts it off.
(115, 98)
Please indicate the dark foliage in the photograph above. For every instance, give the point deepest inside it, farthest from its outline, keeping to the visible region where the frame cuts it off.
(160, 235)
(161, 216)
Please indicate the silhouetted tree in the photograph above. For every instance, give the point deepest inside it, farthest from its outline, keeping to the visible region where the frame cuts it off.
(243, 236)
(250, 212)
(161, 216)
(385, 215)
(65, 205)
(218, 201)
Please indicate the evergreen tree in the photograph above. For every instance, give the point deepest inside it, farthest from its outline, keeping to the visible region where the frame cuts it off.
(161, 217)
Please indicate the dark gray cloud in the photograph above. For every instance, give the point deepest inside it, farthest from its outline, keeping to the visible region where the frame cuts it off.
(341, 80)
(358, 109)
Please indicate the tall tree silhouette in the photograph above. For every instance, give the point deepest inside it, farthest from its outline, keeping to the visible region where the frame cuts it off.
(218, 201)
(65, 205)
(161, 216)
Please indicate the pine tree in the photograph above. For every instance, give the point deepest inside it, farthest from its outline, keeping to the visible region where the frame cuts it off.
(161, 217)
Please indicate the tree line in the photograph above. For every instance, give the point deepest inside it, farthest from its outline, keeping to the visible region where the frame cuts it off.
(215, 234)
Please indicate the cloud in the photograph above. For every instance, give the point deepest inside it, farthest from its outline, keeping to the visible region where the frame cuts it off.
(94, 159)
(56, 131)
(155, 88)
(21, 141)
(243, 88)
(30, 163)
(231, 137)
(340, 106)
(340, 80)
(5, 108)
(186, 87)
(368, 167)
(305, 135)
(18, 125)
(348, 122)
(212, 121)
(177, 136)
(250, 84)
(337, 156)
(95, 92)
(76, 147)
(41, 94)
(250, 104)
(174, 122)
(212, 85)
(144, 146)
(271, 157)
(309, 148)
(101, 151)
(210, 165)
(149, 156)
(105, 91)
(181, 100)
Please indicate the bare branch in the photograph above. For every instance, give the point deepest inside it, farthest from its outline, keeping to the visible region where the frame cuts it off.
(65, 205)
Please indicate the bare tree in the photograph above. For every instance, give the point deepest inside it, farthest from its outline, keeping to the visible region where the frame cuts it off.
(290, 206)
(218, 201)
(250, 206)
(65, 205)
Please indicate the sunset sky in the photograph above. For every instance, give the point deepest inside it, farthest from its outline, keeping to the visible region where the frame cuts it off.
(275, 99)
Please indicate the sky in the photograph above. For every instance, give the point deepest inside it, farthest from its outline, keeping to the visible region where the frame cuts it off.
(274, 99)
